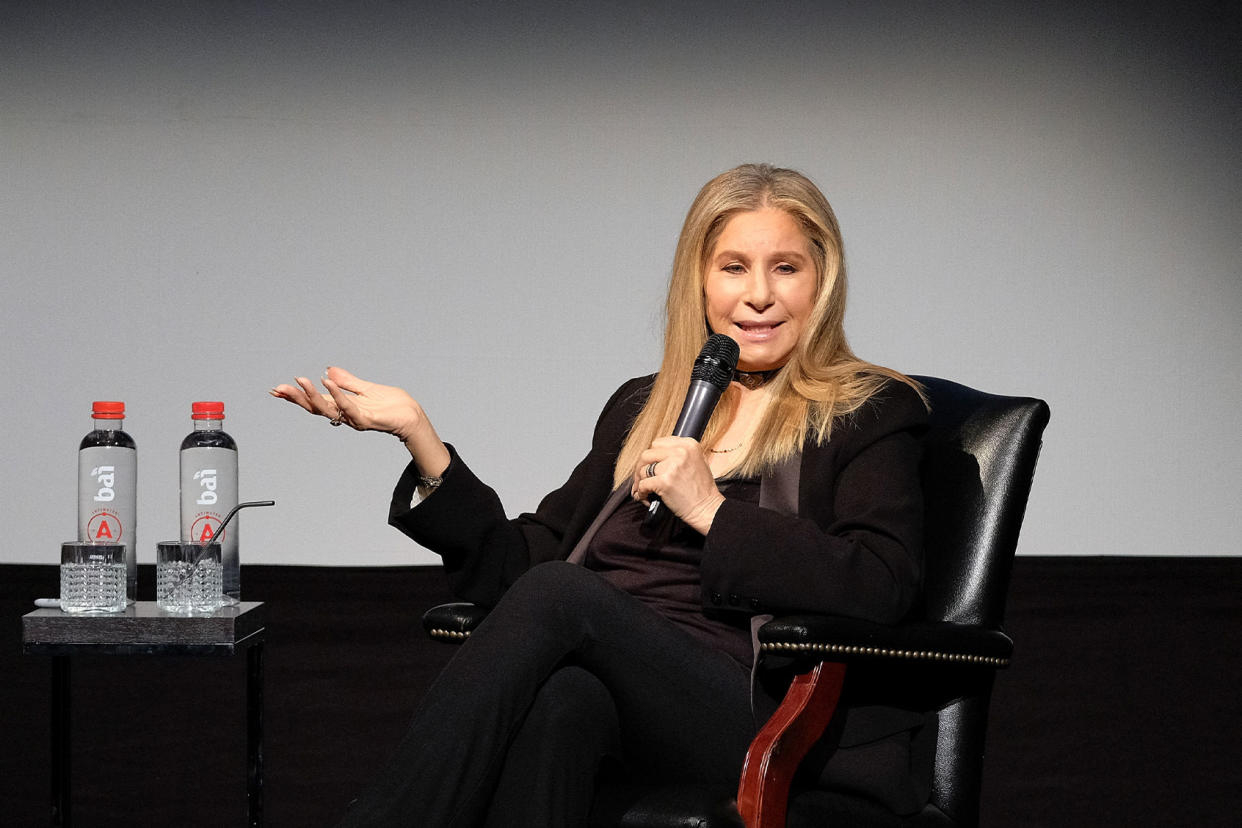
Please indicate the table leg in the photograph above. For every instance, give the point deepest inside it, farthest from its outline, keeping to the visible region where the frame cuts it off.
(61, 794)
(254, 735)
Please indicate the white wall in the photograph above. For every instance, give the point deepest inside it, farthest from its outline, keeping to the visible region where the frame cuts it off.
(200, 200)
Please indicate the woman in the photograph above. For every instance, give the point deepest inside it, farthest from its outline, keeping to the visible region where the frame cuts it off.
(612, 649)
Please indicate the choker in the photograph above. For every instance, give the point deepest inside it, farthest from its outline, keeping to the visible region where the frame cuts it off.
(754, 379)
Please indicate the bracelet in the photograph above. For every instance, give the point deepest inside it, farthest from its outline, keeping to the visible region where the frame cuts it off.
(430, 482)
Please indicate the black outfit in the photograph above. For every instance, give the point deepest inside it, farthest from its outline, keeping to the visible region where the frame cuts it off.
(570, 671)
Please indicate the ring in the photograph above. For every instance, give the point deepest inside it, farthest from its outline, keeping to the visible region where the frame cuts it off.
(651, 469)
(336, 421)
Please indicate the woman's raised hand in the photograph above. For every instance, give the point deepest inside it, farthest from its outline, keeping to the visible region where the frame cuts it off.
(362, 405)
(369, 406)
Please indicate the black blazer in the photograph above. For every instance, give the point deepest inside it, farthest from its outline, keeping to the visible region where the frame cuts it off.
(837, 529)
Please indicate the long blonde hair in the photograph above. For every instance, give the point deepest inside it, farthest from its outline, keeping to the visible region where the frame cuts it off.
(821, 381)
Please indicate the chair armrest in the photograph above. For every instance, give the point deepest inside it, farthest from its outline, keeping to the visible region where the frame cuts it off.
(822, 636)
(829, 644)
(453, 623)
(849, 639)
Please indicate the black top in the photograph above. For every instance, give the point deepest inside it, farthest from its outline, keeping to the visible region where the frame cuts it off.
(663, 571)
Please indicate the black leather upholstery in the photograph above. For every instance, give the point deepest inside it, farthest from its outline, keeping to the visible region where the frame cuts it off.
(978, 465)
(979, 461)
(452, 622)
(687, 806)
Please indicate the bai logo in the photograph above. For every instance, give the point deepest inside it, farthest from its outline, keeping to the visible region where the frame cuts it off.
(205, 528)
(104, 527)
(105, 476)
(207, 480)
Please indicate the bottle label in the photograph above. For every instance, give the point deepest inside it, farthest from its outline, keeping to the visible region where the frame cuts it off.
(208, 494)
(107, 501)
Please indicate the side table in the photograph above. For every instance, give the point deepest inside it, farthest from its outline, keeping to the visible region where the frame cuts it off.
(145, 629)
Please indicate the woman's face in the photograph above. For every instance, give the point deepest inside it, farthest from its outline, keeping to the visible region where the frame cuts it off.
(760, 286)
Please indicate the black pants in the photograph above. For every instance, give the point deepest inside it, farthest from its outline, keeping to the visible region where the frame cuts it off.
(565, 671)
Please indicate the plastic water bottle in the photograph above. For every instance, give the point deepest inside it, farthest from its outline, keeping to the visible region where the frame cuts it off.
(209, 489)
(108, 487)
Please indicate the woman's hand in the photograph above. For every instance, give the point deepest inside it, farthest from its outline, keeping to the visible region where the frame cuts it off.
(369, 406)
(675, 469)
(364, 406)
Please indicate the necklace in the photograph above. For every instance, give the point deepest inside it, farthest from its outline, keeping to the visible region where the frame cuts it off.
(753, 379)
(726, 451)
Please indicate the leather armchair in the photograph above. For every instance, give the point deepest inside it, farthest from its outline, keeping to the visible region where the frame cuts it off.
(979, 460)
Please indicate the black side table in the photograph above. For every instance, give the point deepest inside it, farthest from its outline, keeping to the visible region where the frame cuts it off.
(144, 629)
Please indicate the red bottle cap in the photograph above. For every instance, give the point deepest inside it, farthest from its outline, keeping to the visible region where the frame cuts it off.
(207, 411)
(103, 410)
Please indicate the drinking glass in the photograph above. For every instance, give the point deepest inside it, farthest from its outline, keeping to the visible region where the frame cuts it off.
(92, 577)
(188, 577)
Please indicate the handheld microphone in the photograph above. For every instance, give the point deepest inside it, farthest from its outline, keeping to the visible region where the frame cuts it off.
(711, 375)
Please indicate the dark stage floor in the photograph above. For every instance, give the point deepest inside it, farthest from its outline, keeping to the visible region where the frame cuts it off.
(1121, 708)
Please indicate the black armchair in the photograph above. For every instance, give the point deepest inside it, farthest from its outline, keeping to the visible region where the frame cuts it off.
(980, 455)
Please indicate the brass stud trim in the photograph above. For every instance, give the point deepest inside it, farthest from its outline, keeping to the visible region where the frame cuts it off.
(854, 649)
(451, 635)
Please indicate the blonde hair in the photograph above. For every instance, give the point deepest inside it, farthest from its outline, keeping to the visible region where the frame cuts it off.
(821, 381)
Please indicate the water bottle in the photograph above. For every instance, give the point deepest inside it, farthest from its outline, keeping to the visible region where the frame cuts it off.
(108, 487)
(209, 489)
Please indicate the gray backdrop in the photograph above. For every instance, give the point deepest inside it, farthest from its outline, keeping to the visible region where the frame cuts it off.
(479, 202)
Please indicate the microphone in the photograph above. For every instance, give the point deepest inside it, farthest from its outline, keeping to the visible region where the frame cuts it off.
(712, 372)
